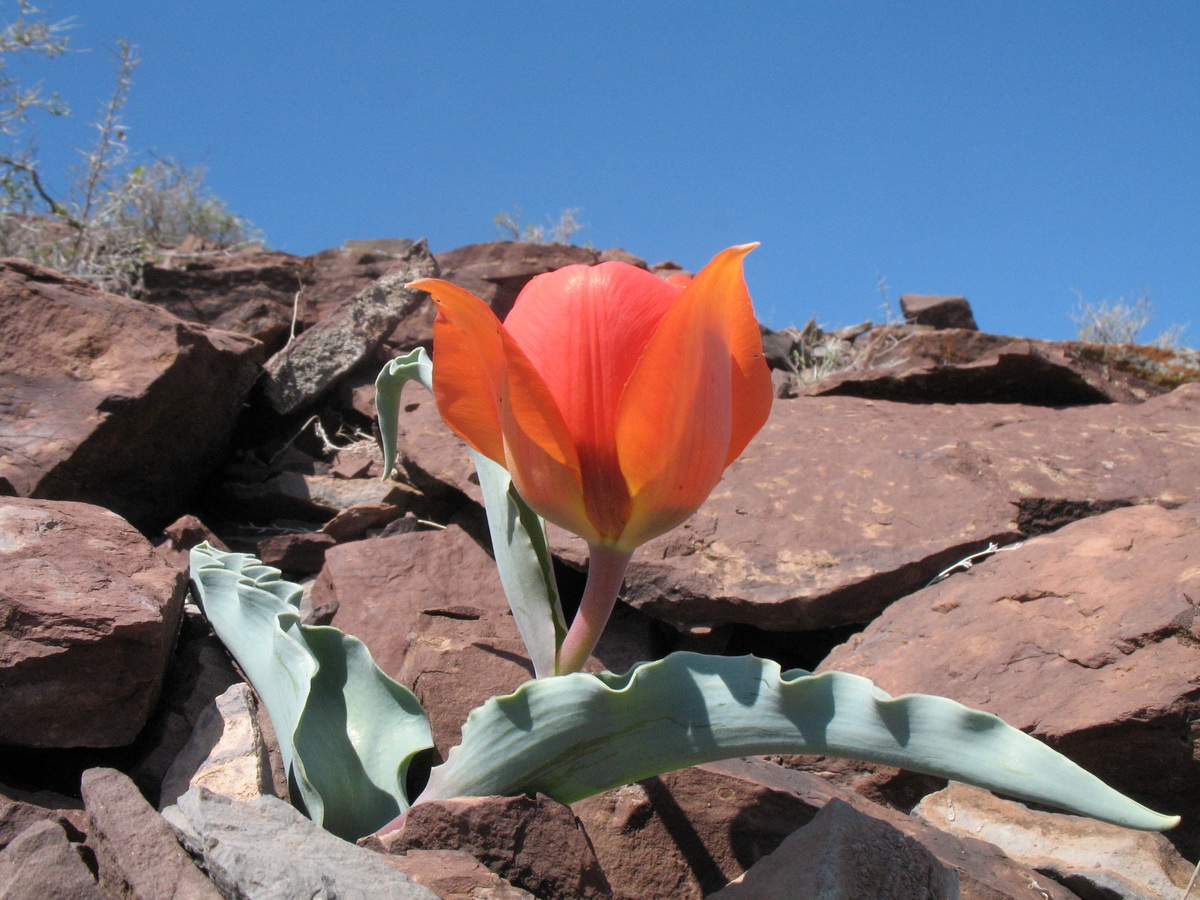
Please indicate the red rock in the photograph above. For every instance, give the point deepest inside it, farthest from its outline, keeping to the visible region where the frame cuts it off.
(89, 614)
(1083, 637)
(181, 536)
(353, 522)
(534, 842)
(432, 457)
(845, 853)
(204, 287)
(16, 815)
(109, 400)
(616, 254)
(297, 553)
(41, 863)
(691, 832)
(1038, 373)
(938, 311)
(384, 585)
(136, 849)
(263, 320)
(457, 658)
(667, 269)
(841, 506)
(455, 875)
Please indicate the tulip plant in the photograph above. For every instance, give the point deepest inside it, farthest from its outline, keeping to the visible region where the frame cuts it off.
(609, 402)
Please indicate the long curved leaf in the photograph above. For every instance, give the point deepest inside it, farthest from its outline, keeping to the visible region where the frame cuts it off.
(518, 533)
(347, 732)
(576, 735)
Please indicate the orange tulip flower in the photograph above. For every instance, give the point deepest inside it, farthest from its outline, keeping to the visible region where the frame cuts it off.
(615, 399)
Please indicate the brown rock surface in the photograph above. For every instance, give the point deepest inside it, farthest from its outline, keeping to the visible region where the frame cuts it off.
(384, 585)
(847, 854)
(297, 553)
(1084, 637)
(496, 271)
(691, 832)
(16, 815)
(353, 522)
(111, 401)
(456, 875)
(841, 506)
(41, 864)
(181, 536)
(136, 849)
(1037, 373)
(455, 659)
(938, 311)
(432, 457)
(206, 286)
(89, 613)
(533, 842)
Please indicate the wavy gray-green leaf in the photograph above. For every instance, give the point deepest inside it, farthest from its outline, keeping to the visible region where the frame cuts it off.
(346, 730)
(576, 735)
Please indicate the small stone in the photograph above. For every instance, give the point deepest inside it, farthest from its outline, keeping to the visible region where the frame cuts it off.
(938, 311)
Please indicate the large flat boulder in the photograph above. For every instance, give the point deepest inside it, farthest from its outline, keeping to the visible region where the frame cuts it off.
(111, 401)
(840, 506)
(1085, 637)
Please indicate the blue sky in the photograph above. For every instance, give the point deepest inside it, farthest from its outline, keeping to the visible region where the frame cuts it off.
(1014, 152)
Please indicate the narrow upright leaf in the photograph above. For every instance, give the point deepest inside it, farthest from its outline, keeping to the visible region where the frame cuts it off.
(518, 533)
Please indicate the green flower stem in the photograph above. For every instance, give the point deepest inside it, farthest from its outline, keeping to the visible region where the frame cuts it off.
(606, 571)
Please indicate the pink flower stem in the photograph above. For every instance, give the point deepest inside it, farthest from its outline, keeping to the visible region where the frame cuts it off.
(606, 571)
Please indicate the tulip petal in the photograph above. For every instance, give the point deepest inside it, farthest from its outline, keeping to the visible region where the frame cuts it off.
(540, 455)
(584, 328)
(697, 396)
(491, 396)
(470, 366)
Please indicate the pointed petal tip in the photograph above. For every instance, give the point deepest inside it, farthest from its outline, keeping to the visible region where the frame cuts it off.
(423, 284)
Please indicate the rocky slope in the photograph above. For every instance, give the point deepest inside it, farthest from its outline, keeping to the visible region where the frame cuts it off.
(1008, 522)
